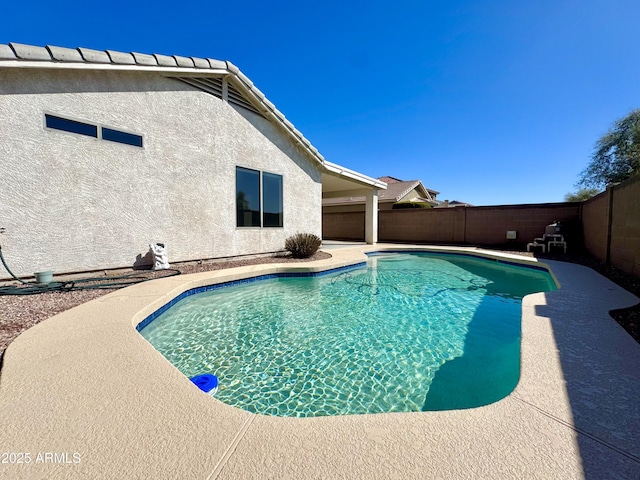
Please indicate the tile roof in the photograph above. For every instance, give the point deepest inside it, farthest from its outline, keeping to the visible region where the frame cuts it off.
(389, 179)
(21, 55)
(398, 189)
(404, 187)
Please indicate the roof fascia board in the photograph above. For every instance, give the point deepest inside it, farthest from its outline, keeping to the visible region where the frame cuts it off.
(353, 175)
(172, 71)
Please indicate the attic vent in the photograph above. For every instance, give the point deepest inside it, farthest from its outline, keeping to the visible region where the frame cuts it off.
(209, 85)
(213, 86)
(236, 98)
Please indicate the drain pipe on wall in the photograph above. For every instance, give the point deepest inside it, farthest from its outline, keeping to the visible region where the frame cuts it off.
(6, 267)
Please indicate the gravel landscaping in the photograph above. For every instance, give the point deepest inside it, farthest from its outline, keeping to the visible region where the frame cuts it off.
(19, 313)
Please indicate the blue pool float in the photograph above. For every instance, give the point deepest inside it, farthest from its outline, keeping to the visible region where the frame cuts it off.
(207, 382)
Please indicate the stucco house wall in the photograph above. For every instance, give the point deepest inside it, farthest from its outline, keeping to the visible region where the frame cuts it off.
(70, 202)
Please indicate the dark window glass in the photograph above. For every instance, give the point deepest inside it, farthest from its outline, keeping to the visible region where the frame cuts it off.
(272, 200)
(71, 126)
(121, 137)
(247, 197)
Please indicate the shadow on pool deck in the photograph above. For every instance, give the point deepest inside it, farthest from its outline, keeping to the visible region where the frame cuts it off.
(600, 363)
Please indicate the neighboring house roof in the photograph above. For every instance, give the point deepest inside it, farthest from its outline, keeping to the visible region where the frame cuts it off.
(396, 191)
(205, 74)
(452, 203)
(389, 179)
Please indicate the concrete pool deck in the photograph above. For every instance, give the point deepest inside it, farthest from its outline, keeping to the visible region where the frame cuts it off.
(85, 382)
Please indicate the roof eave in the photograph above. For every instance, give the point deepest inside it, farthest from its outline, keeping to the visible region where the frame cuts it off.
(111, 66)
(353, 175)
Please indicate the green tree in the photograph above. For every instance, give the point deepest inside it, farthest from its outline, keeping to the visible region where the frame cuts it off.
(581, 195)
(617, 154)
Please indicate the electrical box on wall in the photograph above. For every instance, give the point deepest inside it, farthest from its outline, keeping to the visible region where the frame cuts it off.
(512, 234)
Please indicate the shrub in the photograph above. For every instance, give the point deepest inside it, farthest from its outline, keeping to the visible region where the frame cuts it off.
(400, 205)
(302, 245)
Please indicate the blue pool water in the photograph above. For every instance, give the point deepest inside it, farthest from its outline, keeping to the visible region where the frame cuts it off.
(408, 332)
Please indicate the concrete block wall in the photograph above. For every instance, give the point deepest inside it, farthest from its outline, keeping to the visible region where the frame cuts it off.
(460, 225)
(343, 226)
(422, 225)
(595, 228)
(611, 226)
(489, 225)
(625, 226)
(607, 226)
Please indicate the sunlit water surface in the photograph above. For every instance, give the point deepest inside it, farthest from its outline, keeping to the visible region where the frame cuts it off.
(408, 332)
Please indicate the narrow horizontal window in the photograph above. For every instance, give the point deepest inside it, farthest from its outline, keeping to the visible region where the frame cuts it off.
(72, 126)
(121, 137)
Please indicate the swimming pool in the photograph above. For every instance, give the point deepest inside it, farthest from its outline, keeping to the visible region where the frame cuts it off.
(405, 332)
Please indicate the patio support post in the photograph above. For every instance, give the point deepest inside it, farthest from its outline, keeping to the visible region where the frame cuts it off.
(371, 218)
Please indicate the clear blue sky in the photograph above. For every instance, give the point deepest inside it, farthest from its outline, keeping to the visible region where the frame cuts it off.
(489, 102)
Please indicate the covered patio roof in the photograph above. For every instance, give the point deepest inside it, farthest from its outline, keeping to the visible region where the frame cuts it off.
(338, 181)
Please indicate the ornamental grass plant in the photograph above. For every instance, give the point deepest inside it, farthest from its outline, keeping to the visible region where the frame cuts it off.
(302, 245)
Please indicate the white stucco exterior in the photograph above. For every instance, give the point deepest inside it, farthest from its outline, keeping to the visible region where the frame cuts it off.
(70, 202)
